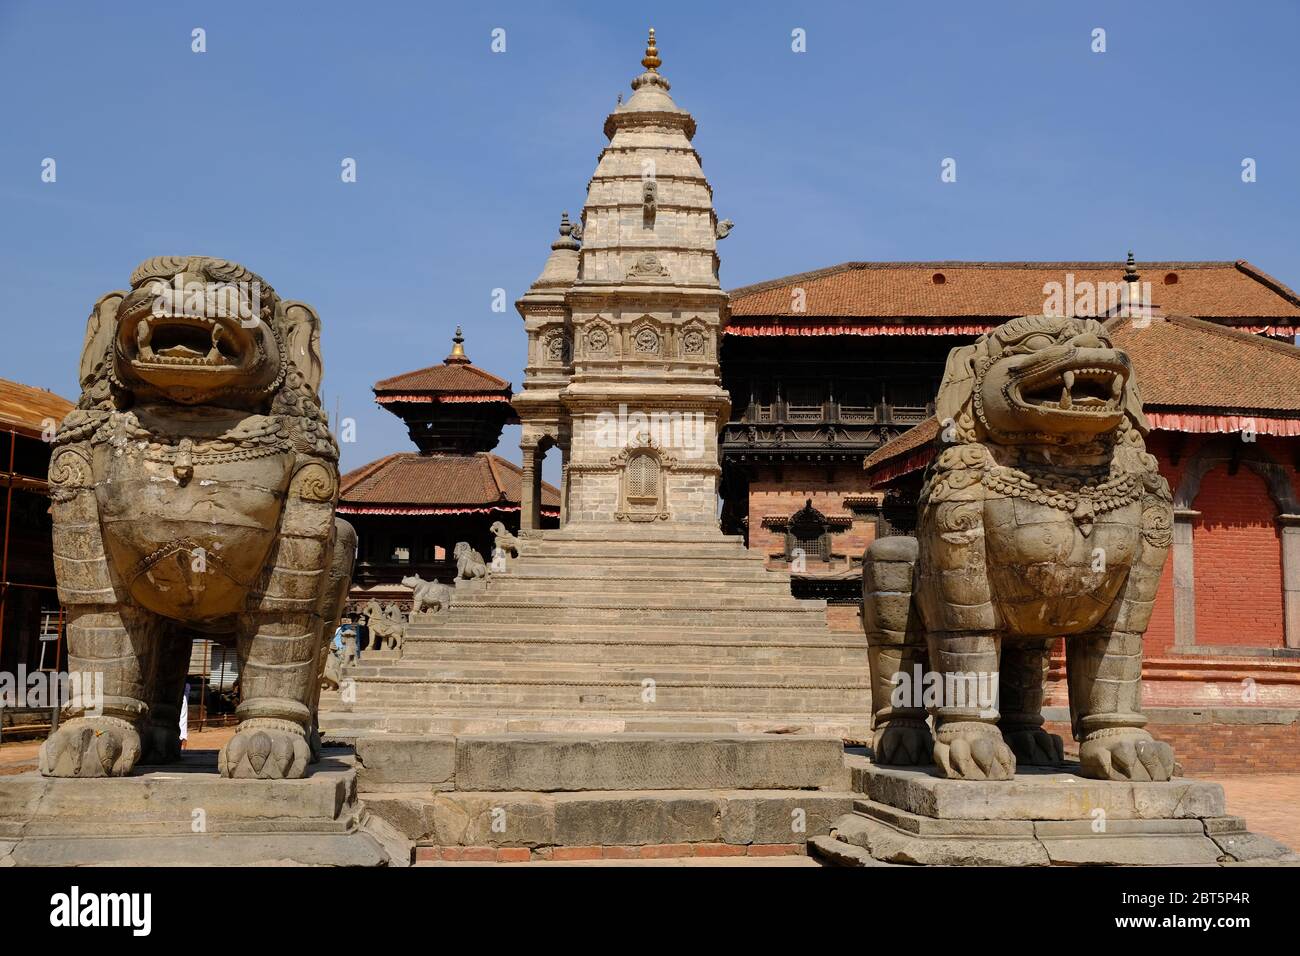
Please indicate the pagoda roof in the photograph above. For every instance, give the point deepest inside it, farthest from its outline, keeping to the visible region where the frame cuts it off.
(409, 483)
(25, 408)
(1195, 376)
(967, 298)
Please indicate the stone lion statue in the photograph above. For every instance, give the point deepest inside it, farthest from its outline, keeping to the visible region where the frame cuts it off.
(1042, 516)
(505, 542)
(435, 594)
(469, 563)
(193, 491)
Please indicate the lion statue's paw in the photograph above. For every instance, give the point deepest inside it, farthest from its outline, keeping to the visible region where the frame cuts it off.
(1126, 754)
(1034, 746)
(903, 743)
(265, 752)
(91, 747)
(969, 750)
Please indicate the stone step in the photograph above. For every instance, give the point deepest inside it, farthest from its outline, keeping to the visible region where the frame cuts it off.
(597, 552)
(621, 649)
(418, 633)
(693, 600)
(657, 572)
(621, 761)
(597, 615)
(772, 588)
(344, 726)
(586, 690)
(716, 794)
(613, 823)
(621, 532)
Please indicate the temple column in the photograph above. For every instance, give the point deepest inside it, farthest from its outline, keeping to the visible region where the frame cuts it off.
(1291, 577)
(1184, 578)
(529, 490)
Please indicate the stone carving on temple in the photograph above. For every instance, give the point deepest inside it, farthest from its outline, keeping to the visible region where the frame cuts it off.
(1042, 516)
(470, 565)
(194, 487)
(431, 594)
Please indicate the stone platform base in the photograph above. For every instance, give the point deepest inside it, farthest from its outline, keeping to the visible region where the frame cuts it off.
(913, 816)
(556, 797)
(187, 815)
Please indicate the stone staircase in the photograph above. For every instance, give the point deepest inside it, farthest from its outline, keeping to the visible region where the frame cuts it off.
(618, 629)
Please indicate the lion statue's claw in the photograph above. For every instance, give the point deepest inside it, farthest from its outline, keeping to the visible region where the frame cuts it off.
(91, 747)
(1129, 755)
(903, 744)
(265, 753)
(973, 751)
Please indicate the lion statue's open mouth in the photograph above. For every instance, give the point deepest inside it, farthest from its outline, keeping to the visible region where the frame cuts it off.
(1073, 387)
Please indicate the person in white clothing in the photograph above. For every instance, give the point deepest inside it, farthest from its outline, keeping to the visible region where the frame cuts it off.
(185, 715)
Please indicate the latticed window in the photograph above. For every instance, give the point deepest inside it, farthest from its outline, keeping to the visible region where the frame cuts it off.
(643, 478)
(814, 548)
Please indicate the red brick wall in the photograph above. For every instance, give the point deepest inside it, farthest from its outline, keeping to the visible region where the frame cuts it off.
(1237, 550)
(1238, 561)
(780, 492)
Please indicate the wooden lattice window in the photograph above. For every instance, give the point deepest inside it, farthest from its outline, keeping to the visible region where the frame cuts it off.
(643, 479)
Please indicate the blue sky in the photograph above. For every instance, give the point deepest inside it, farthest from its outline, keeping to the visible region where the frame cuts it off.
(465, 157)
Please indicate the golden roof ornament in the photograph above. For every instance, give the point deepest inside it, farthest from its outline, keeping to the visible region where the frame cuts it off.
(457, 349)
(651, 59)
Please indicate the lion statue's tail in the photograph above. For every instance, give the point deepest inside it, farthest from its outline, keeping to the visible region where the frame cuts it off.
(897, 652)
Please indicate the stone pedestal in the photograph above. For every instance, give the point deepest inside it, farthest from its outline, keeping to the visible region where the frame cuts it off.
(913, 816)
(187, 815)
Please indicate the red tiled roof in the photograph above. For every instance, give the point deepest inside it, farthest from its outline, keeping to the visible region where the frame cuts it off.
(25, 409)
(1221, 379)
(459, 378)
(1233, 292)
(414, 483)
(1186, 363)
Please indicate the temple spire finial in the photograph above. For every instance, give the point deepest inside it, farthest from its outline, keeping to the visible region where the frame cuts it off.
(1130, 268)
(651, 59)
(457, 348)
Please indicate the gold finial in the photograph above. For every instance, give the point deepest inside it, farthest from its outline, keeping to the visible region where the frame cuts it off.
(651, 59)
(457, 348)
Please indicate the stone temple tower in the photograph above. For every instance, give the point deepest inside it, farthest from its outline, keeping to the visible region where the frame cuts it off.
(623, 370)
(637, 613)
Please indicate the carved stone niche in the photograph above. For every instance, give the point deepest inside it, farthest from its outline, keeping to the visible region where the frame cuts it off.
(642, 467)
(693, 343)
(647, 338)
(598, 339)
(556, 348)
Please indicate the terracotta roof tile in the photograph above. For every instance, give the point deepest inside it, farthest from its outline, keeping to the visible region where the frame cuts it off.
(25, 408)
(457, 377)
(409, 479)
(1229, 291)
(1187, 363)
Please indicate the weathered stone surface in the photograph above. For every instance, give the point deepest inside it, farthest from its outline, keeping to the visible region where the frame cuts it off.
(627, 761)
(1042, 516)
(400, 761)
(188, 818)
(609, 818)
(1039, 796)
(917, 817)
(194, 487)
